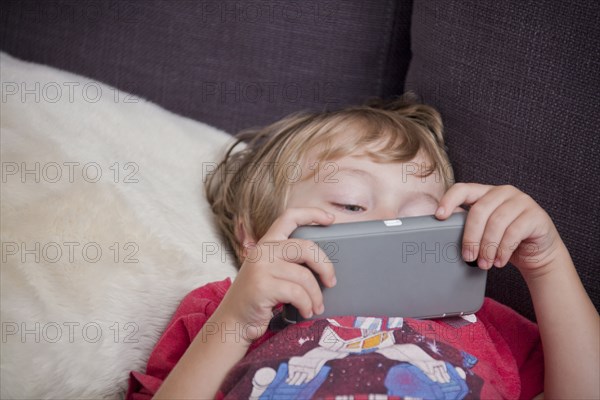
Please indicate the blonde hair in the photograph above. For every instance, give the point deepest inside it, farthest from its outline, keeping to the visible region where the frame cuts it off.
(251, 185)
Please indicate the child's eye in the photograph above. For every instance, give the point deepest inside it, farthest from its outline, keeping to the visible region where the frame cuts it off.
(350, 207)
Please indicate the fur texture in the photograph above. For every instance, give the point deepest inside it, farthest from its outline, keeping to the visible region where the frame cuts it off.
(74, 326)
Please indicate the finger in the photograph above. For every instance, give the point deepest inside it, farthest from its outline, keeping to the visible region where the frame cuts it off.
(520, 229)
(296, 379)
(438, 374)
(292, 378)
(307, 252)
(500, 219)
(431, 374)
(459, 194)
(303, 277)
(302, 378)
(290, 292)
(444, 374)
(292, 218)
(476, 222)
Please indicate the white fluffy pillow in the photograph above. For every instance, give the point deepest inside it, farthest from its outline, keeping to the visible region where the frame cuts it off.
(75, 322)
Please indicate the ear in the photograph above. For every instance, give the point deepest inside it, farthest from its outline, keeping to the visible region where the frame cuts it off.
(242, 236)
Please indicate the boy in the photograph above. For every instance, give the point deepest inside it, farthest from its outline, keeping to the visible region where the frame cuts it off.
(381, 161)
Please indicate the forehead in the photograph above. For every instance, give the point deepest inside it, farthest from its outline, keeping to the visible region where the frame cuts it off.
(357, 135)
(406, 179)
(367, 166)
(349, 138)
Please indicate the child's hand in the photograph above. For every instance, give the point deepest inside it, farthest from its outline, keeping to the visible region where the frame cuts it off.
(272, 274)
(503, 224)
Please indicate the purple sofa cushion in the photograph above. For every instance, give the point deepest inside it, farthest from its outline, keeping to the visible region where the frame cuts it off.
(517, 84)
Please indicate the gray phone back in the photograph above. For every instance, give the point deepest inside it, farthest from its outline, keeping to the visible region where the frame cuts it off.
(409, 267)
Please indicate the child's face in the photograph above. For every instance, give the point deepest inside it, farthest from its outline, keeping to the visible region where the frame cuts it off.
(356, 188)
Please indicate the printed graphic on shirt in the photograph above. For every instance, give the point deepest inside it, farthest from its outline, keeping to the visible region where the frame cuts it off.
(394, 362)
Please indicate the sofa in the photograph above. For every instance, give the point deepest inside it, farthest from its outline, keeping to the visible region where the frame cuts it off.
(516, 82)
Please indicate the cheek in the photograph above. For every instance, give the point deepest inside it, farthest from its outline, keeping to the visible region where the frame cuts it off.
(296, 196)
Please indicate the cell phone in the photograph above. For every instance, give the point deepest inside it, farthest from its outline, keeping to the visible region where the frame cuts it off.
(410, 267)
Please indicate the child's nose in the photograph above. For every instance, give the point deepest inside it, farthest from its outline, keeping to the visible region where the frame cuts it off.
(390, 213)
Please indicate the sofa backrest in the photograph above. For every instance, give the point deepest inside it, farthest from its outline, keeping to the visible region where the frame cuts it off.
(231, 64)
(518, 86)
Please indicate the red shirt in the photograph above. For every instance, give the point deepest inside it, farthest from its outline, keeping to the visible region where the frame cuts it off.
(495, 353)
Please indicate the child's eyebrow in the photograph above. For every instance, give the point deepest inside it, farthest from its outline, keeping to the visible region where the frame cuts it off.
(359, 172)
(369, 176)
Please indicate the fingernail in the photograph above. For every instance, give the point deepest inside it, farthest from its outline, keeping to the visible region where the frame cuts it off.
(321, 309)
(497, 262)
(440, 211)
(329, 215)
(482, 263)
(467, 255)
(333, 281)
